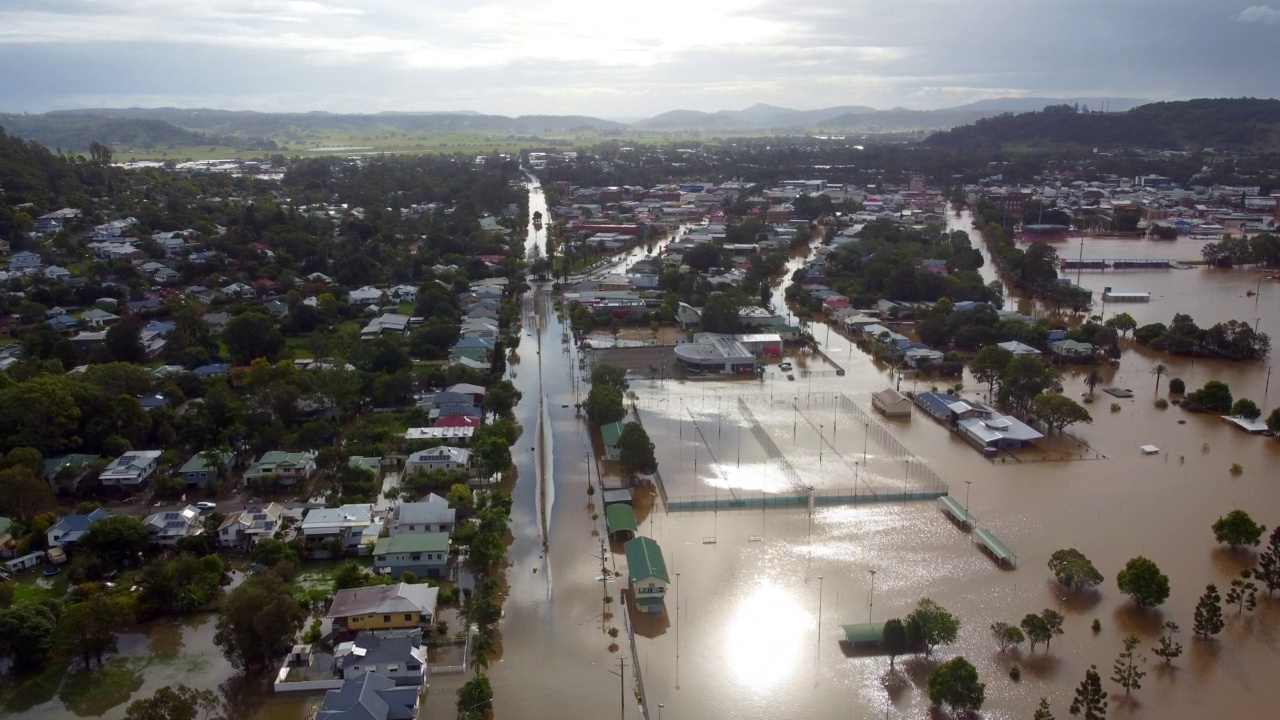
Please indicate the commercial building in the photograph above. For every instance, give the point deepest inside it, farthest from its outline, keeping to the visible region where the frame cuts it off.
(647, 574)
(715, 353)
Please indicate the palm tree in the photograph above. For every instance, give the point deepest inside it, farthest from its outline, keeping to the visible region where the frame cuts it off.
(1159, 370)
(481, 649)
(1092, 379)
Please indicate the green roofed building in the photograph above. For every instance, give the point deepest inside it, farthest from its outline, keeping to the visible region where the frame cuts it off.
(647, 572)
(610, 434)
(423, 554)
(864, 633)
(621, 521)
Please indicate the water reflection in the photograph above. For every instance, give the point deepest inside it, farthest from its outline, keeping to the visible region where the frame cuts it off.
(766, 636)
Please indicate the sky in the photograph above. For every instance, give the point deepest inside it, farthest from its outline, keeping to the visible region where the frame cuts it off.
(624, 59)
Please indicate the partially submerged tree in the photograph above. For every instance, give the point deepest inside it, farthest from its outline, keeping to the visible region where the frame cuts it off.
(931, 625)
(1169, 650)
(1059, 411)
(1237, 529)
(955, 683)
(1090, 701)
(1208, 615)
(1006, 635)
(175, 703)
(1268, 570)
(1126, 672)
(895, 640)
(1243, 593)
(1143, 582)
(1073, 570)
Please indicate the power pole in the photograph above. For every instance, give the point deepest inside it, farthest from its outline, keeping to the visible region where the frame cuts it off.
(622, 688)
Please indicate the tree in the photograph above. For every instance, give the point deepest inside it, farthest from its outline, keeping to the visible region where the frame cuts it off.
(1123, 323)
(1159, 370)
(1126, 671)
(1143, 582)
(932, 625)
(955, 683)
(1042, 711)
(1243, 593)
(895, 640)
(1090, 700)
(175, 703)
(258, 622)
(475, 697)
(720, 313)
(492, 454)
(1268, 570)
(1215, 397)
(1246, 408)
(123, 341)
(604, 404)
(1273, 421)
(251, 335)
(1177, 386)
(988, 366)
(1036, 629)
(268, 552)
(1053, 623)
(1059, 411)
(24, 494)
(1168, 650)
(1024, 378)
(460, 496)
(1006, 635)
(1092, 380)
(501, 397)
(1208, 615)
(1238, 529)
(1073, 570)
(117, 540)
(27, 635)
(88, 628)
(636, 450)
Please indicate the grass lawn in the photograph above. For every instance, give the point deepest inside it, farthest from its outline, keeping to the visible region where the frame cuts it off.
(405, 308)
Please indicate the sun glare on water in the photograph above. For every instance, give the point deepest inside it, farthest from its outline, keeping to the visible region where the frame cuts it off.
(766, 636)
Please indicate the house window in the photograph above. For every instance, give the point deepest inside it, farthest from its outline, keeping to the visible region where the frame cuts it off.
(408, 616)
(386, 618)
(413, 668)
(416, 556)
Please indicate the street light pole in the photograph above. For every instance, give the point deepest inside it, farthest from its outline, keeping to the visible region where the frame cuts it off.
(819, 641)
(822, 439)
(866, 430)
(967, 483)
(872, 602)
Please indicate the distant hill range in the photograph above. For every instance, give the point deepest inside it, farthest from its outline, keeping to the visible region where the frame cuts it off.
(1225, 123)
(1221, 124)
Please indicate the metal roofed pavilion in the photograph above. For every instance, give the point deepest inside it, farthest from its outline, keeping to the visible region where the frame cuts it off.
(999, 550)
(864, 633)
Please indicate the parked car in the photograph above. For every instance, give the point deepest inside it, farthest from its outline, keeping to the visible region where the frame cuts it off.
(206, 505)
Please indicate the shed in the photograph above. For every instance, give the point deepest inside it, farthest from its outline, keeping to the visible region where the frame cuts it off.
(647, 573)
(24, 562)
(616, 495)
(891, 403)
(621, 521)
(610, 433)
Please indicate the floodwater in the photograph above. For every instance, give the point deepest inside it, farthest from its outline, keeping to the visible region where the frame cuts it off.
(761, 593)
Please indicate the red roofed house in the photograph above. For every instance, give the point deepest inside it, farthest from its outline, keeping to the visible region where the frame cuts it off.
(836, 302)
(456, 421)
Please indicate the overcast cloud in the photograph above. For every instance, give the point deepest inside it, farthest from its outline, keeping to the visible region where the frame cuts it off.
(612, 59)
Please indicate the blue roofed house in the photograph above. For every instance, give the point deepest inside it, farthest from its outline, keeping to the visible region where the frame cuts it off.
(370, 696)
(399, 658)
(69, 528)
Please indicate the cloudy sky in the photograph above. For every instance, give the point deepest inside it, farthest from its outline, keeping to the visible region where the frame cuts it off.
(624, 59)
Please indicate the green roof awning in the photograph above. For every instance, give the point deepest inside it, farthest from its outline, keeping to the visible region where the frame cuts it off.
(955, 510)
(864, 633)
(611, 432)
(412, 543)
(644, 559)
(620, 517)
(1001, 551)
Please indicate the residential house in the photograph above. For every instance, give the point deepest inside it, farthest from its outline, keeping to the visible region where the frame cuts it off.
(64, 472)
(98, 318)
(474, 348)
(369, 697)
(384, 607)
(166, 276)
(367, 295)
(199, 470)
(289, 467)
(246, 527)
(212, 370)
(647, 574)
(1019, 349)
(423, 554)
(610, 434)
(432, 515)
(23, 262)
(56, 272)
(438, 458)
(449, 421)
(403, 293)
(346, 523)
(456, 434)
(400, 658)
(319, 277)
(276, 308)
(393, 324)
(167, 528)
(475, 391)
(239, 290)
(173, 243)
(1068, 350)
(891, 403)
(130, 470)
(69, 528)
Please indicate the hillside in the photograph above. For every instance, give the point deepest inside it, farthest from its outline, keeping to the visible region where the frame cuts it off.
(74, 132)
(1223, 124)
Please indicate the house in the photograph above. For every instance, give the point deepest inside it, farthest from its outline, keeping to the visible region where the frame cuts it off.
(212, 370)
(239, 290)
(432, 515)
(131, 469)
(384, 607)
(475, 391)
(610, 434)
(69, 528)
(391, 323)
(369, 697)
(289, 467)
(319, 277)
(199, 470)
(646, 573)
(401, 658)
(891, 403)
(346, 523)
(56, 272)
(1019, 349)
(423, 554)
(1070, 350)
(98, 318)
(64, 472)
(474, 348)
(452, 434)
(165, 276)
(367, 295)
(438, 458)
(248, 526)
(991, 432)
(403, 293)
(25, 261)
(167, 528)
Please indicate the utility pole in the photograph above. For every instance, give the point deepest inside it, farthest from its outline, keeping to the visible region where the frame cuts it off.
(622, 687)
(872, 602)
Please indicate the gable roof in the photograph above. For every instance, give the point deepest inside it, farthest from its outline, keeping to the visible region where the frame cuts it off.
(398, 598)
(434, 511)
(644, 559)
(369, 697)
